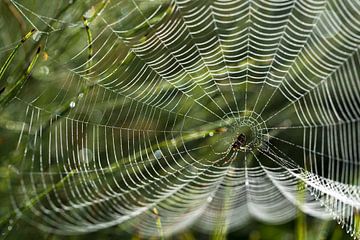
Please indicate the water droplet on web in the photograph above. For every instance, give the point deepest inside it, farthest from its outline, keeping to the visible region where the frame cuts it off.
(89, 13)
(158, 154)
(85, 155)
(44, 70)
(209, 199)
(72, 104)
(211, 134)
(36, 36)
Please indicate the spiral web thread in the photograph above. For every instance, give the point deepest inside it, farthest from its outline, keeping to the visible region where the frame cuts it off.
(136, 125)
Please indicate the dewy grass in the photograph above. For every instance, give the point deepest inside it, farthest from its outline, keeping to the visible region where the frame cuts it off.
(87, 20)
(158, 223)
(89, 41)
(301, 217)
(7, 95)
(12, 54)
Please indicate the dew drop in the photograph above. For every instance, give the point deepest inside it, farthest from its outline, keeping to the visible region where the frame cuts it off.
(158, 154)
(36, 36)
(89, 13)
(72, 104)
(44, 70)
(85, 155)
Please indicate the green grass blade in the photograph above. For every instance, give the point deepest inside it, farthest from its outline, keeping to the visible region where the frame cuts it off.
(12, 54)
(11, 93)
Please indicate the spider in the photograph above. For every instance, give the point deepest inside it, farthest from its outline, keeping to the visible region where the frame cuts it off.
(239, 142)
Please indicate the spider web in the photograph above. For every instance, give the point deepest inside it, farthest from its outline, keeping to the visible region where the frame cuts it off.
(129, 115)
